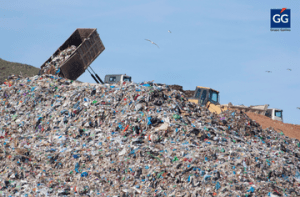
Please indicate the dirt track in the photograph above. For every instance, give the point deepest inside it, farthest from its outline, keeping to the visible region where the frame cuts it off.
(290, 130)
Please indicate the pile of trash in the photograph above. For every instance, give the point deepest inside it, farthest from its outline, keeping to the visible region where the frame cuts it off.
(188, 93)
(53, 66)
(10, 79)
(61, 138)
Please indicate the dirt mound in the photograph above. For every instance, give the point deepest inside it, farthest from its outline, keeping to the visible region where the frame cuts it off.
(290, 130)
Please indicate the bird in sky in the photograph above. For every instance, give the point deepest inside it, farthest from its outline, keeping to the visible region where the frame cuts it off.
(152, 42)
(268, 71)
(169, 31)
(289, 69)
(298, 107)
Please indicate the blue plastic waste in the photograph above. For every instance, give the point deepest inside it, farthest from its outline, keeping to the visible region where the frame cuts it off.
(149, 121)
(77, 167)
(252, 189)
(84, 174)
(57, 71)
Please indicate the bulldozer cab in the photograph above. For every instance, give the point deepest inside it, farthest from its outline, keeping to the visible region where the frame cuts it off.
(203, 95)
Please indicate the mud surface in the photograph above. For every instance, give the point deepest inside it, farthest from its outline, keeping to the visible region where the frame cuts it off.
(290, 130)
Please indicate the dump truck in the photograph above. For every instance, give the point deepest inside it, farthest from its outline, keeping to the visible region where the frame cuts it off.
(75, 55)
(113, 78)
(209, 97)
(274, 114)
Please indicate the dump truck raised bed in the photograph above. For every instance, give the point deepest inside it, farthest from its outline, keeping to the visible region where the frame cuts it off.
(74, 56)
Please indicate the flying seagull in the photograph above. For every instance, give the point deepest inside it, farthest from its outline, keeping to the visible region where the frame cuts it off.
(169, 31)
(268, 71)
(152, 42)
(298, 107)
(289, 69)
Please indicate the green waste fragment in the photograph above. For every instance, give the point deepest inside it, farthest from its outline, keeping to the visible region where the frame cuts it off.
(176, 116)
(154, 157)
(160, 174)
(94, 102)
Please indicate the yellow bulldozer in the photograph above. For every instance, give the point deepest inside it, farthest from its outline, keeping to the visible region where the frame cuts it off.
(209, 97)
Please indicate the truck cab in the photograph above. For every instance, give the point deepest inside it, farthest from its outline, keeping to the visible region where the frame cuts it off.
(274, 114)
(110, 79)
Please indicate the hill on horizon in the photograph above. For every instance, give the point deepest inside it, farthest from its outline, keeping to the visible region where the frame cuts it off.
(13, 68)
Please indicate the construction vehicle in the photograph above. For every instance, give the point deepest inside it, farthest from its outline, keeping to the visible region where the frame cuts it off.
(117, 78)
(88, 46)
(210, 98)
(207, 97)
(275, 114)
(76, 54)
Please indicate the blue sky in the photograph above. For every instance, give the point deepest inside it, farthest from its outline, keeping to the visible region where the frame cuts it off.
(225, 45)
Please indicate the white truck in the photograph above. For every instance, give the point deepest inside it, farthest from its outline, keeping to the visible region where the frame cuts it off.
(117, 78)
(273, 113)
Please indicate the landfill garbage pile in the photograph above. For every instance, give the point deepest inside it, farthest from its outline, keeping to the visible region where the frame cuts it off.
(53, 66)
(188, 93)
(10, 80)
(60, 138)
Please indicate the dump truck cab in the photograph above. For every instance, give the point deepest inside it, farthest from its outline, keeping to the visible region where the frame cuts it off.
(275, 114)
(117, 78)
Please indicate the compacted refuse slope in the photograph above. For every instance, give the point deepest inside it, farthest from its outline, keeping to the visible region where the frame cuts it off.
(61, 138)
